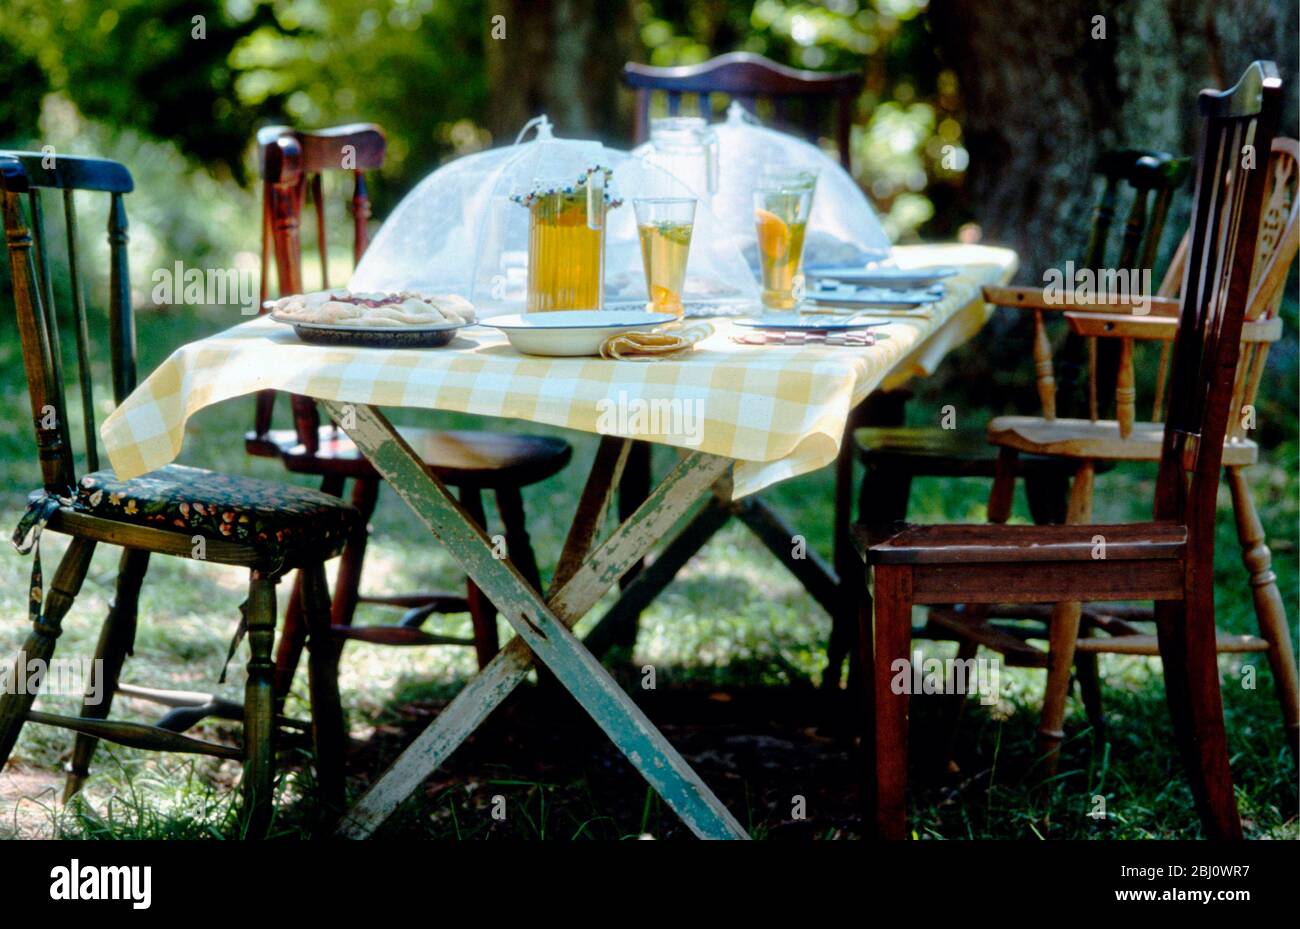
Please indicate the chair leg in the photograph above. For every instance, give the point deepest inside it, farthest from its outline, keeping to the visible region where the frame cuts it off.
(633, 490)
(39, 646)
(347, 583)
(1270, 612)
(294, 634)
(849, 569)
(1088, 671)
(1047, 493)
(882, 502)
(1063, 634)
(481, 611)
(1001, 496)
(863, 670)
(1189, 655)
(116, 640)
(956, 702)
(259, 712)
(510, 504)
(329, 729)
(892, 645)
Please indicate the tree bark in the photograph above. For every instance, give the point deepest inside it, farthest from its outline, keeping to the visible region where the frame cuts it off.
(562, 58)
(1043, 98)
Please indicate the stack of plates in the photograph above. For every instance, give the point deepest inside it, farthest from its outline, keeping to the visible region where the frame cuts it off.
(876, 287)
(812, 322)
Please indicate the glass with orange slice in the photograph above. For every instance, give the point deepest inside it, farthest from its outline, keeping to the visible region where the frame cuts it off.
(664, 226)
(782, 202)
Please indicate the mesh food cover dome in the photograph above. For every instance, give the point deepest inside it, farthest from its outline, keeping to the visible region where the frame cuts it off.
(464, 229)
(842, 229)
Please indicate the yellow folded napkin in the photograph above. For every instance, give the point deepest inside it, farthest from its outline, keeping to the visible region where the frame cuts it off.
(646, 345)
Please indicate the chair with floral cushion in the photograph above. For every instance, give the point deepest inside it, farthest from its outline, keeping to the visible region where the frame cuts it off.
(187, 512)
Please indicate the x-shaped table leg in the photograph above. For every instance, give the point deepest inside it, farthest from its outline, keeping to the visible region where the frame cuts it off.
(543, 628)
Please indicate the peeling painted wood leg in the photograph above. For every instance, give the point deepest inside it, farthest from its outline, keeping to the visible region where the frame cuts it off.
(542, 627)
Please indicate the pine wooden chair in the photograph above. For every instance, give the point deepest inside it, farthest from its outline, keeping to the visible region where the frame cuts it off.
(893, 456)
(803, 103)
(186, 512)
(1088, 444)
(1169, 560)
(291, 163)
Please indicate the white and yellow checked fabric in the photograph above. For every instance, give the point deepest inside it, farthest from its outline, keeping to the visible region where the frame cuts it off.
(777, 410)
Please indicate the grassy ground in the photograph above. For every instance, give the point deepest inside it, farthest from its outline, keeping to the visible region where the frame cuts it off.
(737, 647)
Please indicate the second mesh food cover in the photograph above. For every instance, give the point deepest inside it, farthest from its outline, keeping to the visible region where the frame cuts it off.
(842, 230)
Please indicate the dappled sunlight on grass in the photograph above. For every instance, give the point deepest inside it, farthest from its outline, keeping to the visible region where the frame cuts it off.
(735, 622)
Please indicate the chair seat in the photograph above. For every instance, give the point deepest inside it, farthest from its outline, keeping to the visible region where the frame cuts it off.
(1082, 438)
(281, 523)
(990, 543)
(461, 459)
(929, 451)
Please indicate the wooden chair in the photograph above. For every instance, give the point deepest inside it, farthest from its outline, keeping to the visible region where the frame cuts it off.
(187, 512)
(291, 162)
(1169, 560)
(1088, 444)
(801, 103)
(895, 455)
(748, 78)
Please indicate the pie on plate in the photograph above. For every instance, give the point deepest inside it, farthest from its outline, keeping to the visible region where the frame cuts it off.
(377, 320)
(374, 310)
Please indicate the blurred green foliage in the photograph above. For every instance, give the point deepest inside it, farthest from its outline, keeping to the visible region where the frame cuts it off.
(204, 74)
(906, 139)
(177, 88)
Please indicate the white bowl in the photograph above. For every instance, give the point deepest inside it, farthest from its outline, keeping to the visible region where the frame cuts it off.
(567, 333)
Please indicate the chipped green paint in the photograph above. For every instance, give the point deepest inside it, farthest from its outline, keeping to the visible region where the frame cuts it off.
(542, 628)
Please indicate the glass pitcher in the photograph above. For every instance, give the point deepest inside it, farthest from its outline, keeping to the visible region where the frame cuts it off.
(687, 148)
(566, 244)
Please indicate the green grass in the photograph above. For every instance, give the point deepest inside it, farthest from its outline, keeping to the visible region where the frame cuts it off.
(735, 639)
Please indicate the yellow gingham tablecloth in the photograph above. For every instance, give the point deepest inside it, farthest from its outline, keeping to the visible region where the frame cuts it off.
(778, 411)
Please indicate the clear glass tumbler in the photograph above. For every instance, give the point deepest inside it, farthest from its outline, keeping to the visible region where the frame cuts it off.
(782, 202)
(664, 226)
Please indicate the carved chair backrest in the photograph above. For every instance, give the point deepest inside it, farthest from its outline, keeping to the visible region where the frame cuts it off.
(1218, 272)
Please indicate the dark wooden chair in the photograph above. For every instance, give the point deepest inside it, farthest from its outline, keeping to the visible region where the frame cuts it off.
(187, 512)
(748, 79)
(893, 456)
(1089, 443)
(291, 162)
(801, 102)
(1169, 560)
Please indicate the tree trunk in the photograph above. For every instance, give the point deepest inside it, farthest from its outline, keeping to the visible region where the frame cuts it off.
(1043, 98)
(562, 58)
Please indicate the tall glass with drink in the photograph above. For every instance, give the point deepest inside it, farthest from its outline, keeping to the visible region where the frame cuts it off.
(782, 203)
(664, 226)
